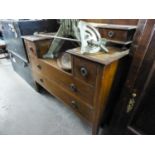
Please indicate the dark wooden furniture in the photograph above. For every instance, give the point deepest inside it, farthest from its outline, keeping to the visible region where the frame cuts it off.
(13, 30)
(86, 88)
(135, 112)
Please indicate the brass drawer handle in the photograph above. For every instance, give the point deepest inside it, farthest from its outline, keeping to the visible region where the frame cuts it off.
(84, 71)
(39, 67)
(110, 34)
(41, 80)
(74, 105)
(73, 87)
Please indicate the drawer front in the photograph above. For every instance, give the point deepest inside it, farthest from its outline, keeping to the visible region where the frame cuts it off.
(82, 90)
(77, 105)
(117, 35)
(85, 70)
(77, 88)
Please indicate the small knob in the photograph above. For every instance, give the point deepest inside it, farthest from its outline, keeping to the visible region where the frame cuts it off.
(31, 49)
(84, 71)
(134, 95)
(39, 67)
(41, 80)
(73, 87)
(110, 34)
(74, 104)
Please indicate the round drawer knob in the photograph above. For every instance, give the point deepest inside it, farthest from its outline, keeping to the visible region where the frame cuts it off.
(41, 80)
(110, 34)
(31, 49)
(84, 71)
(39, 67)
(73, 87)
(74, 104)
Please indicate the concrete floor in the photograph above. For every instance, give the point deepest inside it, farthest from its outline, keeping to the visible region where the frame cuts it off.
(24, 111)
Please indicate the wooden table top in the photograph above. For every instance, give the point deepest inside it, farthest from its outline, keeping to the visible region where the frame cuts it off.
(101, 57)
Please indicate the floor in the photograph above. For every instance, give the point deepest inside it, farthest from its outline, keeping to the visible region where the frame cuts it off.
(23, 111)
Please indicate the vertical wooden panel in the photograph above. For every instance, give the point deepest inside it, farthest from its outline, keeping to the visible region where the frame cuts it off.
(105, 77)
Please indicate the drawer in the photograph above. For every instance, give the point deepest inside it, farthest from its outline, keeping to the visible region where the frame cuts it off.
(61, 93)
(81, 90)
(85, 70)
(76, 87)
(117, 35)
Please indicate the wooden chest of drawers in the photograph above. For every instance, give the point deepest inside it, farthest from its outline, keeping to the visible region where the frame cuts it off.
(86, 88)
